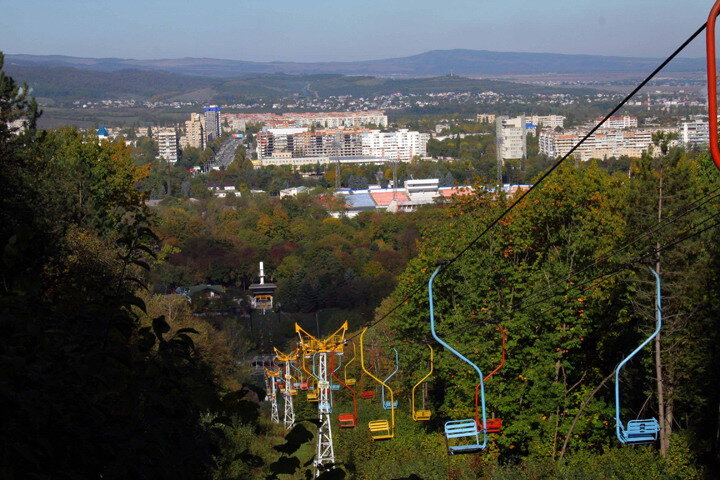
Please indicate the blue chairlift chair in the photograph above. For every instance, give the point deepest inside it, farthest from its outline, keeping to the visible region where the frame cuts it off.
(639, 432)
(386, 403)
(467, 431)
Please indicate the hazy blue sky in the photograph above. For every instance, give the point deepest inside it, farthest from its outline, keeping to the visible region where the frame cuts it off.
(265, 30)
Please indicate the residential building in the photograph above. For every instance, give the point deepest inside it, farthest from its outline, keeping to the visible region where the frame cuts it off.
(511, 137)
(402, 145)
(194, 132)
(167, 140)
(694, 132)
(616, 123)
(299, 142)
(212, 123)
(485, 118)
(602, 144)
(321, 120)
(546, 121)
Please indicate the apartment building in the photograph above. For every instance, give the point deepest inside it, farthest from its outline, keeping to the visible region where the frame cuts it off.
(300, 142)
(602, 144)
(194, 132)
(546, 121)
(694, 132)
(167, 140)
(402, 145)
(510, 136)
(212, 123)
(319, 120)
(617, 123)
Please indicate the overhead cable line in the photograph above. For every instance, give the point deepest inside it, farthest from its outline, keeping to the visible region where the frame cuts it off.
(547, 173)
(686, 235)
(692, 206)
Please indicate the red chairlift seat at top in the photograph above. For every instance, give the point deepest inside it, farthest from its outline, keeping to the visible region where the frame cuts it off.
(367, 395)
(347, 420)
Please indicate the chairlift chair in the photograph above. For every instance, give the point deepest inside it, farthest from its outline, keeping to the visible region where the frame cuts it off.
(639, 432)
(345, 420)
(467, 431)
(422, 415)
(387, 405)
(494, 425)
(379, 429)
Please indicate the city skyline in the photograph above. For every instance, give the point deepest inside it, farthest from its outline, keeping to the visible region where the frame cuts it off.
(345, 31)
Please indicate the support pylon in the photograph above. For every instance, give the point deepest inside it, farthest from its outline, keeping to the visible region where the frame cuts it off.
(311, 345)
(289, 418)
(325, 451)
(274, 416)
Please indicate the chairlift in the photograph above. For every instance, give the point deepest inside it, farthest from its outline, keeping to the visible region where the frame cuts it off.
(345, 420)
(467, 431)
(379, 429)
(387, 405)
(422, 414)
(494, 425)
(639, 432)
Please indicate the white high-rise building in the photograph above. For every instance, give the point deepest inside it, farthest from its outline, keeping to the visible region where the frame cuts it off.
(510, 137)
(694, 132)
(402, 145)
(167, 140)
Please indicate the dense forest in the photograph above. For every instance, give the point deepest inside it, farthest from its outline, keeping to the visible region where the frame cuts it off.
(106, 372)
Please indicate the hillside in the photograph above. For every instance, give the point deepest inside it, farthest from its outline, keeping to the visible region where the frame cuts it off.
(432, 63)
(67, 84)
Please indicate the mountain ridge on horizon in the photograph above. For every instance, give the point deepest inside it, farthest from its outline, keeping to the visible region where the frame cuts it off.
(434, 62)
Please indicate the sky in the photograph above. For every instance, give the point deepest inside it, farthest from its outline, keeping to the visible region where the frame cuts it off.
(341, 30)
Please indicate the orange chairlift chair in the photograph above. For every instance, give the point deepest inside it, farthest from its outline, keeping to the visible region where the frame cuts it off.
(345, 420)
(493, 425)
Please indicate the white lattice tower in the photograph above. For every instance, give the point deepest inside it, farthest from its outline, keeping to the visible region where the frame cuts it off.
(325, 450)
(289, 418)
(273, 399)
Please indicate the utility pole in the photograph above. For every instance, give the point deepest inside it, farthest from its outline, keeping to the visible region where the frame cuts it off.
(664, 426)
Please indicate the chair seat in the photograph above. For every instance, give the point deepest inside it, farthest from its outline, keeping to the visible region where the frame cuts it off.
(387, 405)
(640, 432)
(312, 397)
(350, 381)
(347, 420)
(464, 449)
(422, 415)
(304, 386)
(325, 407)
(368, 394)
(494, 425)
(380, 429)
(334, 387)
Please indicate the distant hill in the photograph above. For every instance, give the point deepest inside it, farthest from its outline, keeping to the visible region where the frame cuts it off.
(433, 63)
(68, 84)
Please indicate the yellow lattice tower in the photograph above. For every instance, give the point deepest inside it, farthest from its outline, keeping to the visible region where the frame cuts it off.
(310, 344)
